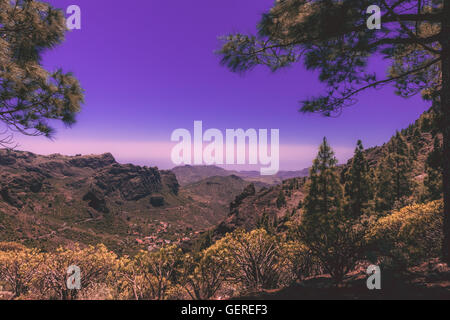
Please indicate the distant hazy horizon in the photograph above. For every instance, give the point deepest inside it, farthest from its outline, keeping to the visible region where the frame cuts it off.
(292, 157)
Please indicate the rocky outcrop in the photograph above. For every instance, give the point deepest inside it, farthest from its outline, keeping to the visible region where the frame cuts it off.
(170, 180)
(24, 173)
(93, 162)
(130, 182)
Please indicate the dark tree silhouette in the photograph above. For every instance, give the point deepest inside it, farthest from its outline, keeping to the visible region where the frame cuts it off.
(358, 182)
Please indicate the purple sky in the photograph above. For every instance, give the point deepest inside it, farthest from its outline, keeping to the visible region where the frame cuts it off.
(148, 67)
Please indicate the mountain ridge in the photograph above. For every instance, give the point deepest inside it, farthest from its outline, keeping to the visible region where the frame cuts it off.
(190, 174)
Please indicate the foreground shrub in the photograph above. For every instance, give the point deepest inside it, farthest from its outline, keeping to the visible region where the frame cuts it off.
(410, 235)
(301, 263)
(19, 268)
(256, 259)
(337, 244)
(204, 273)
(150, 275)
(96, 264)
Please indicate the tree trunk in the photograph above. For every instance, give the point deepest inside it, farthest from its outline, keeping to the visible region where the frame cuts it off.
(445, 109)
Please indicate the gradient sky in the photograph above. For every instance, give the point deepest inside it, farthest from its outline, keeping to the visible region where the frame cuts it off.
(148, 67)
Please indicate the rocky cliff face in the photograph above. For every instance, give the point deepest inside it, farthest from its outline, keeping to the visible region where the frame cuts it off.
(23, 173)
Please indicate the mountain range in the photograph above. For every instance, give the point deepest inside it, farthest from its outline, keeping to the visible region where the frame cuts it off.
(189, 174)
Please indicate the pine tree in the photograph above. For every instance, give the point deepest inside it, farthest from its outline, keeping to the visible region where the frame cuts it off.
(333, 237)
(358, 183)
(417, 140)
(324, 191)
(264, 222)
(30, 96)
(281, 200)
(394, 183)
(399, 145)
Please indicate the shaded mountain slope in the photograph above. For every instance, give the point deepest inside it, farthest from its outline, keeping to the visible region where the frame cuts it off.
(266, 207)
(215, 193)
